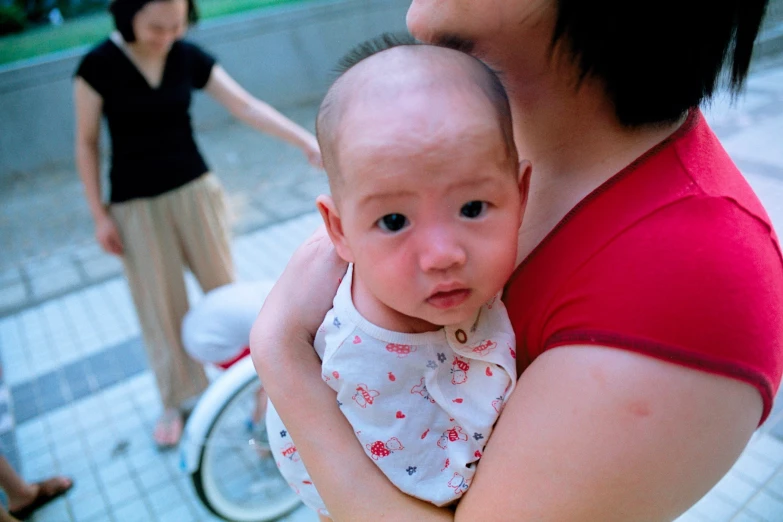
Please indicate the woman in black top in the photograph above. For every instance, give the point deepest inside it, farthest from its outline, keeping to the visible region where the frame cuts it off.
(166, 210)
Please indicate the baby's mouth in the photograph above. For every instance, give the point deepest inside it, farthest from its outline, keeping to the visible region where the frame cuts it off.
(449, 299)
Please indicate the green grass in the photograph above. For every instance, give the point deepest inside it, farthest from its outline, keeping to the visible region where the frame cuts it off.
(92, 28)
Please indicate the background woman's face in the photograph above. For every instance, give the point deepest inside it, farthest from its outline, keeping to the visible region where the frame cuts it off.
(160, 23)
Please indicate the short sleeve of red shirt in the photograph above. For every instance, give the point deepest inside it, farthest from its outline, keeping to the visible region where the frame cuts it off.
(673, 258)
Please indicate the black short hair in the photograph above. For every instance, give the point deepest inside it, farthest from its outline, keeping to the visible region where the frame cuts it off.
(385, 41)
(375, 45)
(332, 107)
(123, 12)
(658, 59)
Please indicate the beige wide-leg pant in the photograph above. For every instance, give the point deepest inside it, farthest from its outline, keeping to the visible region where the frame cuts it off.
(187, 227)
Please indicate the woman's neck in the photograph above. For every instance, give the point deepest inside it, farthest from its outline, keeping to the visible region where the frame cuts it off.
(572, 137)
(137, 51)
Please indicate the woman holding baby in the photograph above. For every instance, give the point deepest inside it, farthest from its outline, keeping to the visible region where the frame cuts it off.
(647, 302)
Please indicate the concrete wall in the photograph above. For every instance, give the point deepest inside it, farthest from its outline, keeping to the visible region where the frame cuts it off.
(282, 55)
(770, 42)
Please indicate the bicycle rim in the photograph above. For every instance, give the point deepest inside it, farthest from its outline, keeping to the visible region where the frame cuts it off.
(237, 478)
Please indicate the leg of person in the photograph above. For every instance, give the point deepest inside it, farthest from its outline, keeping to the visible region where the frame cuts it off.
(154, 267)
(23, 497)
(204, 232)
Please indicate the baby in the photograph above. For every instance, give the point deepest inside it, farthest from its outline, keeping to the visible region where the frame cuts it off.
(427, 195)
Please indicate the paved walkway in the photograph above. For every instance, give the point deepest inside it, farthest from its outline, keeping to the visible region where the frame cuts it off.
(78, 396)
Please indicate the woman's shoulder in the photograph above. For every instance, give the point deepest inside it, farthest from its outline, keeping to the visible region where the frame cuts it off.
(190, 49)
(196, 61)
(103, 50)
(97, 61)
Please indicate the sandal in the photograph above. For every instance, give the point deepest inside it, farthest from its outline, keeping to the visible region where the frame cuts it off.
(48, 490)
(168, 430)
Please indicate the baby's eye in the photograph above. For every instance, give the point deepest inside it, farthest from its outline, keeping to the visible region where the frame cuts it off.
(392, 222)
(473, 209)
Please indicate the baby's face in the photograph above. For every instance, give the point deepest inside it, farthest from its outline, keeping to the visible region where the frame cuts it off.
(430, 205)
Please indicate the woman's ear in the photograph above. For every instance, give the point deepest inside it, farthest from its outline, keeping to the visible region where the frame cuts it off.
(525, 171)
(334, 226)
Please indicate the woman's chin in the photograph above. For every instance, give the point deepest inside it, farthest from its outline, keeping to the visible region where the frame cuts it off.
(419, 21)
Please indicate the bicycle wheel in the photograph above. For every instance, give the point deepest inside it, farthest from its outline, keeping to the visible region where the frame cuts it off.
(237, 478)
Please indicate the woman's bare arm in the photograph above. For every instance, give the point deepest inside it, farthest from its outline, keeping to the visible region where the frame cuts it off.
(89, 105)
(594, 433)
(260, 115)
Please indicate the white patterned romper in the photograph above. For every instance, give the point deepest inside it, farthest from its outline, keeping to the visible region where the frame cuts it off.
(422, 405)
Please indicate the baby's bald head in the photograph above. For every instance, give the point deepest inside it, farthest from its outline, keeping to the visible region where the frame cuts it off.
(387, 73)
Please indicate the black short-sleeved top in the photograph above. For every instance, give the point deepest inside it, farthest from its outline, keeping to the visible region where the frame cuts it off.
(152, 145)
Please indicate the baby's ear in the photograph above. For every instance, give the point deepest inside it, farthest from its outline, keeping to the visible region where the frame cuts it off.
(525, 171)
(334, 226)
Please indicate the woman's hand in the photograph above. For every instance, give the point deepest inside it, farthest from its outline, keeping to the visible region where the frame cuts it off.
(108, 235)
(313, 153)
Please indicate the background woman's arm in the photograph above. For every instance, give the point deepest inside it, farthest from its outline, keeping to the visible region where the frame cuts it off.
(260, 115)
(89, 104)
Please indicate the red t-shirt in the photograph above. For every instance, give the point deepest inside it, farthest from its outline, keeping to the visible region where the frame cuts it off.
(674, 257)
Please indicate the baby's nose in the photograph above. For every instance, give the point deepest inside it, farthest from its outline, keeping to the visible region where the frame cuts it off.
(442, 251)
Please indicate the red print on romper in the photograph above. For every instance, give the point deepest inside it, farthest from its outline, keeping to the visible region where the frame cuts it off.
(512, 352)
(421, 389)
(402, 350)
(364, 395)
(459, 370)
(452, 435)
(499, 403)
(378, 449)
(458, 483)
(289, 452)
(485, 347)
(392, 378)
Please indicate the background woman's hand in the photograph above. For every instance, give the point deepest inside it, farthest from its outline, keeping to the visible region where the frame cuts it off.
(313, 153)
(108, 235)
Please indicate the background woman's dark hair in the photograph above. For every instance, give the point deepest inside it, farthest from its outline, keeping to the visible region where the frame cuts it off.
(660, 58)
(123, 12)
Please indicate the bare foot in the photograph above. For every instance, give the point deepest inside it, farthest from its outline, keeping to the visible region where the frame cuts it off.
(169, 429)
(39, 494)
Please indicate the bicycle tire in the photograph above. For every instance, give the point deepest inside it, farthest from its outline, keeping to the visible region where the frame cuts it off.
(261, 494)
